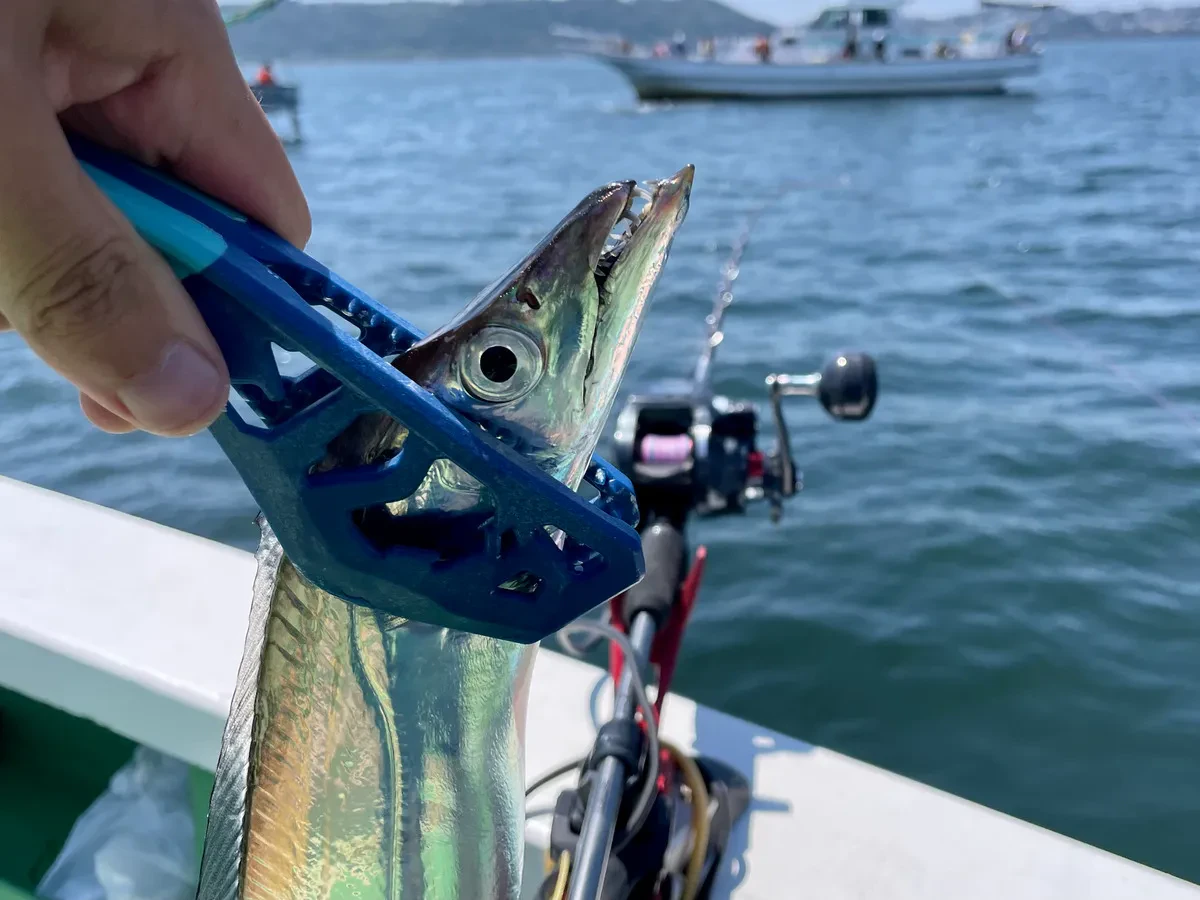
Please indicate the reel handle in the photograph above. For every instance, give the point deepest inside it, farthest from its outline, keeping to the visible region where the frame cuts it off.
(847, 387)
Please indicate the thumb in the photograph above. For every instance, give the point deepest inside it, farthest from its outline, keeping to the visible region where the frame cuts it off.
(88, 295)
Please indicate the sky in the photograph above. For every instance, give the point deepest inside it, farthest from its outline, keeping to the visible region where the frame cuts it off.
(801, 11)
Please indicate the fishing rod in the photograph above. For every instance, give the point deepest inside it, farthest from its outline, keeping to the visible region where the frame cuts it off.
(715, 322)
(249, 13)
(647, 821)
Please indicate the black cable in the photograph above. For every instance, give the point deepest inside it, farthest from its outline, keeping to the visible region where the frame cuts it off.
(645, 800)
(547, 777)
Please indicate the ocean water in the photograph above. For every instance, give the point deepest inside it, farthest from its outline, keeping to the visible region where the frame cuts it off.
(990, 586)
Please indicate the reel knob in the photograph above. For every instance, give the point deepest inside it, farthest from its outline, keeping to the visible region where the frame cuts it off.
(849, 386)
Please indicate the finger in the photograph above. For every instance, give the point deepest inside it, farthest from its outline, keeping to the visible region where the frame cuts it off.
(195, 114)
(86, 293)
(102, 418)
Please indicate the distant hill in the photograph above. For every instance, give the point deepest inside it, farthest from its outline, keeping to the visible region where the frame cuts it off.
(416, 29)
(1062, 24)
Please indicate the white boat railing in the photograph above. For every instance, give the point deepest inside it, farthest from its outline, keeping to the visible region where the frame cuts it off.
(140, 629)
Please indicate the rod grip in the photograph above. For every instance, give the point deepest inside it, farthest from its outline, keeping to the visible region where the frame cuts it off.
(665, 551)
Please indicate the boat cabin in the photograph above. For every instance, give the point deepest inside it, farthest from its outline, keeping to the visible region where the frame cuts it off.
(850, 32)
(841, 18)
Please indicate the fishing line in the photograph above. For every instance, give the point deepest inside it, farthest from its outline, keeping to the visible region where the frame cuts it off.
(250, 13)
(595, 629)
(702, 378)
(730, 271)
(782, 189)
(1138, 385)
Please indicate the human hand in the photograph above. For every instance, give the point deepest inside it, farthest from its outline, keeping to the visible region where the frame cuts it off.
(155, 79)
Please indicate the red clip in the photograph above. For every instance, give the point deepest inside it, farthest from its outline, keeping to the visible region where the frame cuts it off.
(754, 464)
(665, 651)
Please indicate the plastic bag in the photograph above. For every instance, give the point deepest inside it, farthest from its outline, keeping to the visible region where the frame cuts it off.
(135, 842)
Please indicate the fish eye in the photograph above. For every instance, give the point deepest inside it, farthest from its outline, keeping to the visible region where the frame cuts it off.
(500, 364)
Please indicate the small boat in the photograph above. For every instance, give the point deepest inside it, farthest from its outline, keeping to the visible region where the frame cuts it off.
(275, 97)
(850, 50)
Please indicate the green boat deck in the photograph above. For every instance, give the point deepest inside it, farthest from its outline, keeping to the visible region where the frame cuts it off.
(52, 767)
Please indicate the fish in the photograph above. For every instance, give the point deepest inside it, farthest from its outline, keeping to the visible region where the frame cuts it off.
(371, 757)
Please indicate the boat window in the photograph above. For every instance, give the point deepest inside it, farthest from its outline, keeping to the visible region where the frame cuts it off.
(832, 18)
(875, 18)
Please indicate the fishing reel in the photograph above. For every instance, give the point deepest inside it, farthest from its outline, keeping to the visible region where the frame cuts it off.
(701, 455)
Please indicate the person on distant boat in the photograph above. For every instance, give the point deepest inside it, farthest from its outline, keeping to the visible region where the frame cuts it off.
(80, 286)
(679, 44)
(708, 48)
(762, 49)
(880, 39)
(265, 77)
(661, 49)
(850, 50)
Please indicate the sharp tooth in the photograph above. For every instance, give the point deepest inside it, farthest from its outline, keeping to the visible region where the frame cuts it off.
(635, 218)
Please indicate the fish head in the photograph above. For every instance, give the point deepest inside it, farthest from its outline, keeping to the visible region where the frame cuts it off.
(537, 357)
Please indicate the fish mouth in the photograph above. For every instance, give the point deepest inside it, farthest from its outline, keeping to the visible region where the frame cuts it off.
(626, 271)
(651, 213)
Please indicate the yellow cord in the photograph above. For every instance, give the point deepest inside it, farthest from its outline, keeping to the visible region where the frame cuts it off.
(695, 782)
(695, 868)
(564, 867)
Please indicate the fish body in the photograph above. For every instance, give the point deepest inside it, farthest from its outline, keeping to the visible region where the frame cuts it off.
(369, 757)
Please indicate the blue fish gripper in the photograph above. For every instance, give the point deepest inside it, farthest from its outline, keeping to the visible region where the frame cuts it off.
(499, 574)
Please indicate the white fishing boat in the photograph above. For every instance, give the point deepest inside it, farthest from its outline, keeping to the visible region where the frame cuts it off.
(851, 50)
(116, 632)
